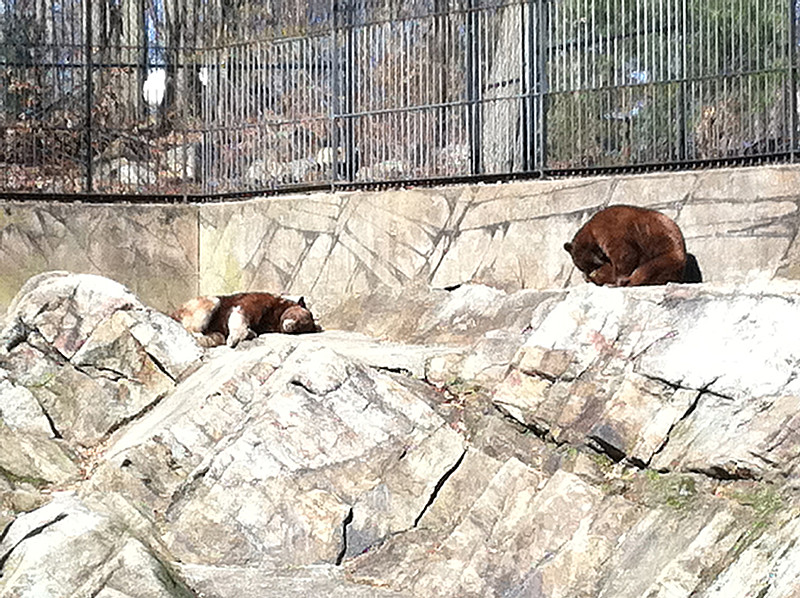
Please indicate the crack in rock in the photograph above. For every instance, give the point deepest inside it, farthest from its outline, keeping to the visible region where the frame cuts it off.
(135, 416)
(536, 373)
(705, 389)
(34, 532)
(394, 370)
(17, 334)
(606, 448)
(541, 432)
(160, 366)
(669, 335)
(103, 372)
(439, 486)
(303, 385)
(50, 422)
(316, 392)
(345, 524)
(103, 582)
(4, 533)
(770, 462)
(727, 472)
(689, 410)
(185, 489)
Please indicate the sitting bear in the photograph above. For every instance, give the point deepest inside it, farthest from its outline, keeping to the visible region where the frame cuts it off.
(629, 246)
(233, 318)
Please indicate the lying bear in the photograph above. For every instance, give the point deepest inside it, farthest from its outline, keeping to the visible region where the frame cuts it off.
(629, 246)
(217, 319)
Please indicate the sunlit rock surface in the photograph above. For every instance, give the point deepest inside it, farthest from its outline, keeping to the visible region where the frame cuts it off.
(67, 549)
(587, 442)
(90, 353)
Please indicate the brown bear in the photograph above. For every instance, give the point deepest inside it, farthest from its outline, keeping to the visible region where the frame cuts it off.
(217, 319)
(629, 246)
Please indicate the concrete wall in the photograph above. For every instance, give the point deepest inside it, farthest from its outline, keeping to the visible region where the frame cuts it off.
(740, 224)
(151, 249)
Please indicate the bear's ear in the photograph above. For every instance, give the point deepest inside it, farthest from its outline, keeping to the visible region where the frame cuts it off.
(568, 247)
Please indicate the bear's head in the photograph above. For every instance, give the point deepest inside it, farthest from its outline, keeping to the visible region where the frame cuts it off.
(297, 320)
(587, 258)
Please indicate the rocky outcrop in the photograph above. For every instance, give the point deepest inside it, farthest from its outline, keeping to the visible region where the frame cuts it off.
(80, 356)
(588, 442)
(674, 378)
(65, 548)
(345, 454)
(90, 353)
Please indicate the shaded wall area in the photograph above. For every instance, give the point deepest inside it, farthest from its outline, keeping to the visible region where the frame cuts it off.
(151, 249)
(741, 224)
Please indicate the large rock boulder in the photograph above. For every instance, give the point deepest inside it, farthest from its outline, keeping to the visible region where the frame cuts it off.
(676, 378)
(89, 353)
(80, 356)
(68, 549)
(571, 443)
(286, 453)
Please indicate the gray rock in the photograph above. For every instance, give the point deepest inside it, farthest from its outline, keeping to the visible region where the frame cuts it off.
(683, 378)
(19, 409)
(291, 454)
(65, 308)
(89, 353)
(67, 549)
(581, 443)
(34, 459)
(769, 565)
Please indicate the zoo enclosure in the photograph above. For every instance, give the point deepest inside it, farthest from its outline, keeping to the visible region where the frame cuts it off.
(211, 97)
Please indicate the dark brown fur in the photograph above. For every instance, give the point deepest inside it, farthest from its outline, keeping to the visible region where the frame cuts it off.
(629, 246)
(253, 313)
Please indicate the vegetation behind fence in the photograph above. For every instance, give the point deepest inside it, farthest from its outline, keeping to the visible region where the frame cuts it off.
(208, 97)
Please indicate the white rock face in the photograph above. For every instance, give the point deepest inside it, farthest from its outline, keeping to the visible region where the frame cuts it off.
(678, 377)
(581, 443)
(320, 437)
(89, 354)
(65, 548)
(19, 409)
(65, 308)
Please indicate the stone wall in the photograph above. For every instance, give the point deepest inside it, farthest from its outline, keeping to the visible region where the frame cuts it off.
(151, 249)
(741, 224)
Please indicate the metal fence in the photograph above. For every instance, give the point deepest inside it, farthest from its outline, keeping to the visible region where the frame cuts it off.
(209, 97)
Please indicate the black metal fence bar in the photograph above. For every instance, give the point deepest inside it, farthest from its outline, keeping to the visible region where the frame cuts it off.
(207, 97)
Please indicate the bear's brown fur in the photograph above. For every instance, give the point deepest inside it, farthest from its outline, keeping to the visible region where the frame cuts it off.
(629, 246)
(233, 318)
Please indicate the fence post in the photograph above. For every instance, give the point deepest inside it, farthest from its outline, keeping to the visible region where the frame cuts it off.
(528, 77)
(334, 74)
(541, 85)
(89, 96)
(349, 91)
(474, 87)
(682, 122)
(792, 79)
(535, 76)
(343, 107)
